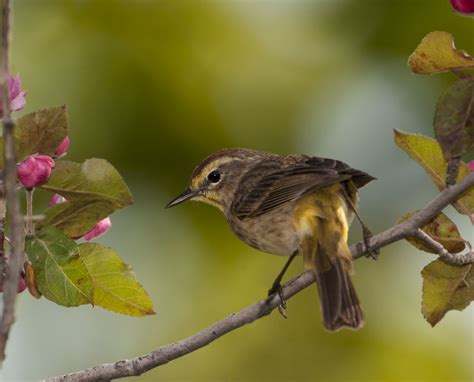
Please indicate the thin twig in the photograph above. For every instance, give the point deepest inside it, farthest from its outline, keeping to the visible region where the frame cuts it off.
(164, 354)
(29, 212)
(451, 258)
(15, 258)
(452, 171)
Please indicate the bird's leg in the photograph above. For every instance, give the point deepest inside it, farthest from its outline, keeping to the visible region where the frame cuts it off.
(276, 286)
(366, 232)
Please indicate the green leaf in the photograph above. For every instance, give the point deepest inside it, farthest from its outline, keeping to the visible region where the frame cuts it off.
(437, 53)
(73, 275)
(39, 132)
(427, 152)
(446, 287)
(61, 275)
(443, 230)
(454, 119)
(93, 191)
(115, 285)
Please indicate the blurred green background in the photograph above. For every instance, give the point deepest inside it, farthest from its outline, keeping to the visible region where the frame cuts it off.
(154, 86)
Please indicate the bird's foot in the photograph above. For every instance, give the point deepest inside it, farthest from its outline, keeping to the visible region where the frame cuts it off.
(367, 235)
(278, 290)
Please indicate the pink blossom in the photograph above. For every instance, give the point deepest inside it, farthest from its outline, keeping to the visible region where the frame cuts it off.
(463, 6)
(17, 96)
(62, 149)
(21, 283)
(35, 170)
(470, 166)
(100, 228)
(56, 199)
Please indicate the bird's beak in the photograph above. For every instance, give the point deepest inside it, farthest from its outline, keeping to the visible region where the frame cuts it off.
(186, 195)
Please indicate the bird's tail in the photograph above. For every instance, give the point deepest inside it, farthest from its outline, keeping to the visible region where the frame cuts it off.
(323, 227)
(340, 305)
(329, 258)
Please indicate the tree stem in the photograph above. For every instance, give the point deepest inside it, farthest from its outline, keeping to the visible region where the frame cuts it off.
(15, 259)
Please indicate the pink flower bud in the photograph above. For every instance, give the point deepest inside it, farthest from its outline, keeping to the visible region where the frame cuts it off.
(21, 283)
(17, 96)
(470, 166)
(463, 6)
(62, 147)
(56, 199)
(100, 228)
(35, 170)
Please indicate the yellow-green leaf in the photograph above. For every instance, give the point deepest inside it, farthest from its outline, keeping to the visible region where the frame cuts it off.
(437, 53)
(61, 275)
(93, 189)
(446, 287)
(115, 285)
(427, 152)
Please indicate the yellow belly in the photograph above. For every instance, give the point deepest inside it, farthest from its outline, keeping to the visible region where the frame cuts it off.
(321, 221)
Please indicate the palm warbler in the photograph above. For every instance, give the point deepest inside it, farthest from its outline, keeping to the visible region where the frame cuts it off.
(289, 205)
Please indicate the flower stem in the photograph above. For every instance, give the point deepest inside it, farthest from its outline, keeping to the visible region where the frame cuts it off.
(29, 212)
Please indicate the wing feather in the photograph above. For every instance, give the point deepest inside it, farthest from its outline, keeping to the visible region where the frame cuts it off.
(272, 183)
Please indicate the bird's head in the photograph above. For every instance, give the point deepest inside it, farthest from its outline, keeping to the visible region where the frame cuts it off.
(216, 178)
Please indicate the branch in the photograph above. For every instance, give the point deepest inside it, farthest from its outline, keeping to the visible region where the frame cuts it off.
(451, 258)
(15, 258)
(164, 354)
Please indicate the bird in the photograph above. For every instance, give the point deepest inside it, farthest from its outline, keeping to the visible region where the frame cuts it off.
(290, 205)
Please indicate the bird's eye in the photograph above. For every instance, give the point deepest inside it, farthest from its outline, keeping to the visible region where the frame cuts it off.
(214, 176)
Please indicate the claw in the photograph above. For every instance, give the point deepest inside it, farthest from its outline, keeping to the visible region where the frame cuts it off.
(277, 289)
(282, 312)
(372, 253)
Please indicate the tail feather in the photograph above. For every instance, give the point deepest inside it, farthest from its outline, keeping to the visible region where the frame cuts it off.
(339, 303)
(323, 224)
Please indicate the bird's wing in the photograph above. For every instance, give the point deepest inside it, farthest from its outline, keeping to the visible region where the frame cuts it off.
(269, 184)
